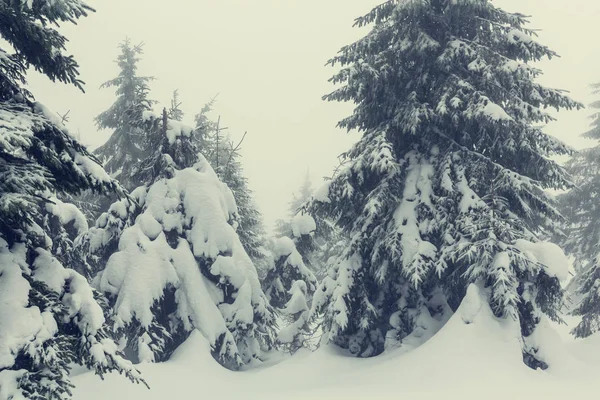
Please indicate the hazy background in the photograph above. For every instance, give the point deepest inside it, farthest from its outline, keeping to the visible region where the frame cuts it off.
(265, 59)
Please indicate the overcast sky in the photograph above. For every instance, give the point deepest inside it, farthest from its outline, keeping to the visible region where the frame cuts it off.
(266, 60)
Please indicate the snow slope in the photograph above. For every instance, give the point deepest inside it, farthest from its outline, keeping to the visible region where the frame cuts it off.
(474, 356)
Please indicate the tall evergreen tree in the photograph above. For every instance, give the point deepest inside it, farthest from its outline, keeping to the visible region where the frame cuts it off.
(125, 149)
(447, 103)
(49, 315)
(583, 234)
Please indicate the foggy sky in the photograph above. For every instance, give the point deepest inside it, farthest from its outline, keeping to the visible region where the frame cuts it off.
(265, 59)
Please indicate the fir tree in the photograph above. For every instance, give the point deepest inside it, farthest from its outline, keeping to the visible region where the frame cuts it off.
(50, 317)
(125, 149)
(447, 103)
(180, 265)
(289, 286)
(583, 233)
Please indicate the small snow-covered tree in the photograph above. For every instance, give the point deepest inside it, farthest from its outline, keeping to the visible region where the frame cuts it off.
(125, 148)
(582, 238)
(447, 103)
(181, 266)
(50, 317)
(289, 286)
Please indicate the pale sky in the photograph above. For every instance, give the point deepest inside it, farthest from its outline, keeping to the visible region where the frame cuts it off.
(266, 60)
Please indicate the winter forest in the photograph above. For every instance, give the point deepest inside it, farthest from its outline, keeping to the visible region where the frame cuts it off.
(291, 200)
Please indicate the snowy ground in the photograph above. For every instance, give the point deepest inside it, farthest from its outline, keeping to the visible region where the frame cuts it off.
(474, 356)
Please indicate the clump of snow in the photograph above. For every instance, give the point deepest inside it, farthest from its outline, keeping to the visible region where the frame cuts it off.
(284, 246)
(68, 213)
(91, 169)
(516, 36)
(175, 129)
(51, 116)
(303, 224)
(322, 193)
(495, 112)
(554, 260)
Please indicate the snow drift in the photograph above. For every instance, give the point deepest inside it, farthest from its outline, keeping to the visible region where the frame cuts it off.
(474, 356)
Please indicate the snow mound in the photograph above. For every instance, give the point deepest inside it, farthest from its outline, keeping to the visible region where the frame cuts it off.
(464, 361)
(303, 224)
(556, 264)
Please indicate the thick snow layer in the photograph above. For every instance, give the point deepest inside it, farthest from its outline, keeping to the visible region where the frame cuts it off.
(68, 213)
(21, 327)
(474, 356)
(555, 261)
(284, 246)
(322, 193)
(303, 224)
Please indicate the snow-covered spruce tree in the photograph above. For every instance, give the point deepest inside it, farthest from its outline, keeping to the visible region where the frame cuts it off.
(447, 103)
(224, 156)
(181, 265)
(583, 234)
(124, 150)
(289, 286)
(49, 315)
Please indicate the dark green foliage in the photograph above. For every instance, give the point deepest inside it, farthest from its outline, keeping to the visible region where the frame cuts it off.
(449, 110)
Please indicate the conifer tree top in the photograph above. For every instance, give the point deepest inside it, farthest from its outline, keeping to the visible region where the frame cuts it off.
(131, 89)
